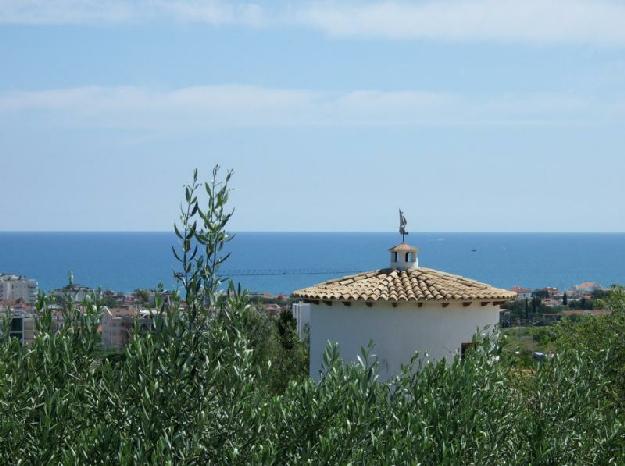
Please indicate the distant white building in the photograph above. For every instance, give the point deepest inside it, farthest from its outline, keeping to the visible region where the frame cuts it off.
(14, 288)
(22, 327)
(117, 324)
(76, 293)
(522, 293)
(301, 313)
(403, 309)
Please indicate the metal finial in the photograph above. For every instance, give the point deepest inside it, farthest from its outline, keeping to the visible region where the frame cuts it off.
(402, 225)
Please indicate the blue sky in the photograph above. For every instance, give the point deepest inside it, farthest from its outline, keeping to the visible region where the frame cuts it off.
(470, 115)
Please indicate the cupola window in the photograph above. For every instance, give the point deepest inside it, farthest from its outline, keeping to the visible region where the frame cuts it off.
(403, 257)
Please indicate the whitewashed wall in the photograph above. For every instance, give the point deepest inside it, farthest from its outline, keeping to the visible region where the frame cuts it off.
(396, 331)
(301, 313)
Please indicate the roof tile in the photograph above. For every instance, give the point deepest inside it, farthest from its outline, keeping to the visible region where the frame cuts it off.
(419, 284)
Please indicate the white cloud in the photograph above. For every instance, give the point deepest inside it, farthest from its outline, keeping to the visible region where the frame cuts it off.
(120, 11)
(542, 21)
(205, 107)
(525, 21)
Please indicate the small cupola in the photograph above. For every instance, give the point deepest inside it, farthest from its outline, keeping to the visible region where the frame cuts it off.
(404, 257)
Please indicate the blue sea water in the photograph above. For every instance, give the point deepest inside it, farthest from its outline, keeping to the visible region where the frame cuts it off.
(283, 262)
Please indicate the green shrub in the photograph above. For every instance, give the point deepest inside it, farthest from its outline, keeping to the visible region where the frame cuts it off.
(602, 339)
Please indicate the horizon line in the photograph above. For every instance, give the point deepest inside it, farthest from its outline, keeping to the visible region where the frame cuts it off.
(313, 231)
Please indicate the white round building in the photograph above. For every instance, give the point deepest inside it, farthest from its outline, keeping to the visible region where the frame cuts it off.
(403, 309)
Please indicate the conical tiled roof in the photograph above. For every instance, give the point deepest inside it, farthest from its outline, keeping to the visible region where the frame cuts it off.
(418, 284)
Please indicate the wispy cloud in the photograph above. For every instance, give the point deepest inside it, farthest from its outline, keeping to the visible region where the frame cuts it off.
(205, 107)
(525, 21)
(541, 21)
(127, 11)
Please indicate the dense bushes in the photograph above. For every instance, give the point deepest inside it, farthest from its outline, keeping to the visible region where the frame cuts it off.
(220, 383)
(176, 398)
(602, 339)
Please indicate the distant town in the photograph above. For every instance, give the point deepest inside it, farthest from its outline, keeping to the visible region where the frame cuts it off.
(124, 311)
(120, 310)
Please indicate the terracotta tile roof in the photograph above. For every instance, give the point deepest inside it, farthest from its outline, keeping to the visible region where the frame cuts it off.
(419, 284)
(403, 247)
(587, 286)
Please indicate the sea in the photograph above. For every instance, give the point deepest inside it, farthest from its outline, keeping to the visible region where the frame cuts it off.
(279, 263)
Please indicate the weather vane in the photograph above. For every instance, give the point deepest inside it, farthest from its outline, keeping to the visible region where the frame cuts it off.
(402, 225)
